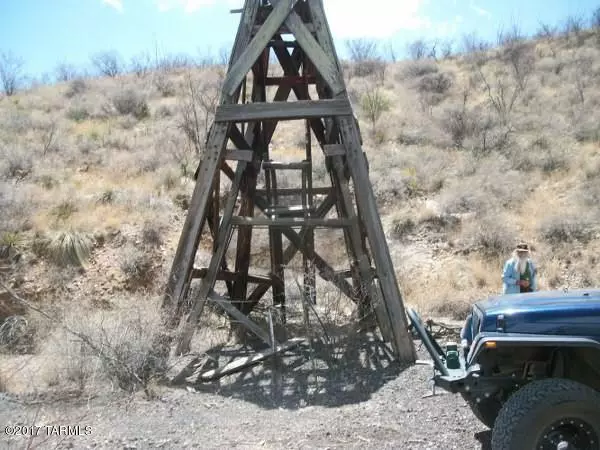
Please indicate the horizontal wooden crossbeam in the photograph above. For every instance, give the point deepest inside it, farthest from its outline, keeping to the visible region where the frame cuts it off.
(230, 276)
(287, 222)
(302, 109)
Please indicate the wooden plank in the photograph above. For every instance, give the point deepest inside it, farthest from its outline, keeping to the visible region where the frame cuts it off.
(248, 361)
(224, 275)
(290, 81)
(228, 307)
(239, 155)
(287, 192)
(244, 237)
(290, 222)
(402, 343)
(194, 222)
(298, 211)
(334, 150)
(325, 64)
(257, 45)
(238, 139)
(302, 109)
(284, 165)
(209, 281)
(323, 31)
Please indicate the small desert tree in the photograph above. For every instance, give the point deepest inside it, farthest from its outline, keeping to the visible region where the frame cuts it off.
(11, 75)
(417, 49)
(107, 63)
(374, 104)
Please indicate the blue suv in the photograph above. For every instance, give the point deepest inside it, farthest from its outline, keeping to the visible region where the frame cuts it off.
(531, 371)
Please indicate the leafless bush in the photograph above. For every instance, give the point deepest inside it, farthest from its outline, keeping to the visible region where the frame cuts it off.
(365, 55)
(491, 237)
(141, 64)
(418, 49)
(438, 83)
(152, 233)
(129, 102)
(504, 87)
(458, 122)
(136, 265)
(163, 84)
(446, 48)
(573, 29)
(66, 72)
(546, 31)
(473, 44)
(198, 107)
(565, 228)
(16, 165)
(11, 72)
(420, 68)
(76, 87)
(107, 63)
(583, 68)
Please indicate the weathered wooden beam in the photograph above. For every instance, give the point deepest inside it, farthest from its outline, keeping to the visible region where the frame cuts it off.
(208, 282)
(224, 275)
(257, 45)
(238, 139)
(290, 81)
(285, 165)
(287, 222)
(324, 64)
(248, 361)
(239, 155)
(402, 343)
(302, 109)
(194, 222)
(334, 150)
(234, 312)
(286, 192)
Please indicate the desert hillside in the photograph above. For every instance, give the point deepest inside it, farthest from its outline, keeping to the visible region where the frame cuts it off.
(469, 153)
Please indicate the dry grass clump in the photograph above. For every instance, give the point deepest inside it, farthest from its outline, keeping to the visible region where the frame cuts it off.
(70, 248)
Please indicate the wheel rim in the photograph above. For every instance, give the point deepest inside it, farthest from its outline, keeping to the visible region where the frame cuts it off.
(569, 434)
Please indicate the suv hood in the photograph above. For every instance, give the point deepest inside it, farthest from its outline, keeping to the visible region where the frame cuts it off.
(552, 312)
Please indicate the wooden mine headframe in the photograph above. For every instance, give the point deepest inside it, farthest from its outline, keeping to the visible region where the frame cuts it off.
(240, 135)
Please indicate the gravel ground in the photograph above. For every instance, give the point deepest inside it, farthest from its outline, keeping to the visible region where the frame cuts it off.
(354, 398)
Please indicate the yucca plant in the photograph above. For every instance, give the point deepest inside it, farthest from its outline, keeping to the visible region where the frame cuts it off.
(70, 248)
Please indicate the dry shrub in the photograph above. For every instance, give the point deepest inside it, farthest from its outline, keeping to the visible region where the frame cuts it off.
(567, 228)
(126, 346)
(136, 265)
(131, 103)
(419, 68)
(76, 87)
(492, 237)
(438, 83)
(16, 163)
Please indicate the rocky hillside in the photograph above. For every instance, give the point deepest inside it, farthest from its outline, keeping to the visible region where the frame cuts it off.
(468, 154)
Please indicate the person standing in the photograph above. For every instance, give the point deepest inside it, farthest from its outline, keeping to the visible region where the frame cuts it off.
(520, 272)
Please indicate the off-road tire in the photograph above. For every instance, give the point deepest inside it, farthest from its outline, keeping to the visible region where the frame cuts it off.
(486, 411)
(535, 406)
